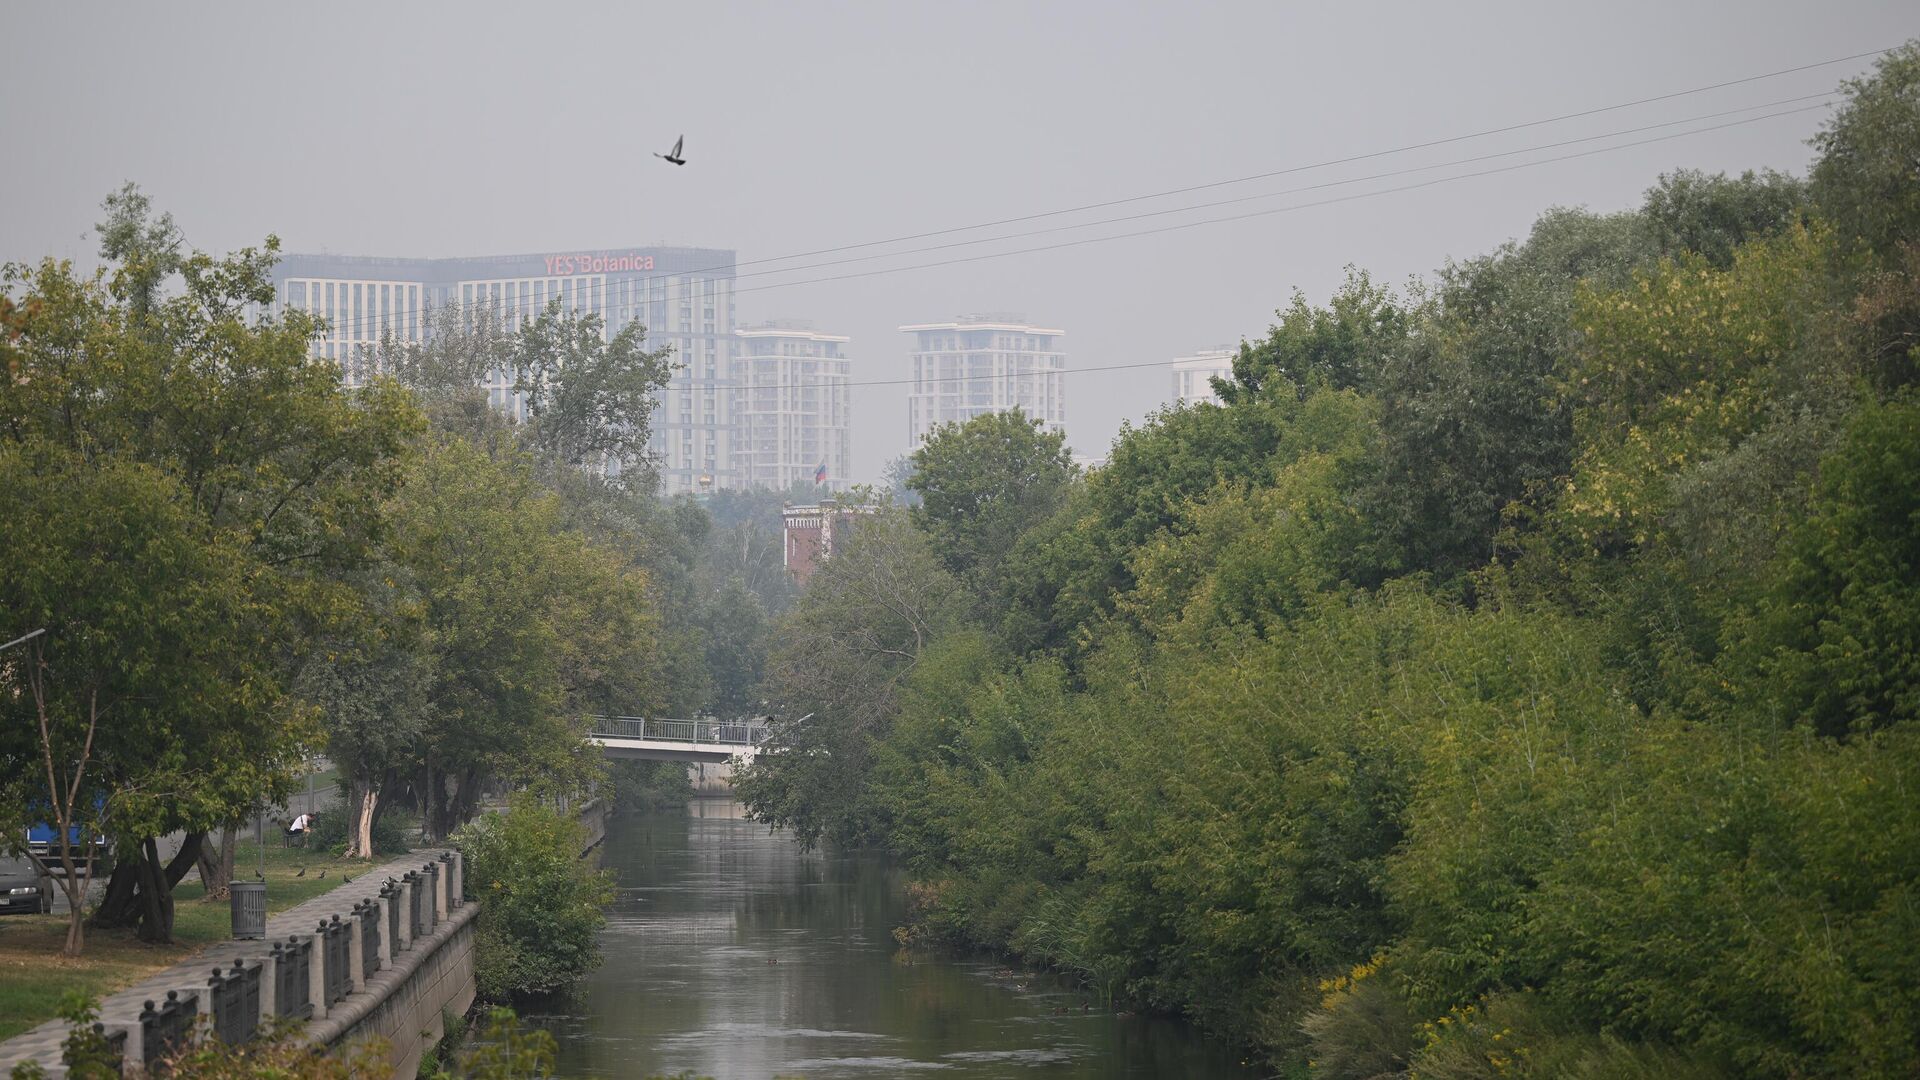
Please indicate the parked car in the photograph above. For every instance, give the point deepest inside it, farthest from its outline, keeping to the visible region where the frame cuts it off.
(22, 889)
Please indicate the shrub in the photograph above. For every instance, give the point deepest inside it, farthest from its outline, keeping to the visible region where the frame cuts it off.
(1362, 1029)
(540, 904)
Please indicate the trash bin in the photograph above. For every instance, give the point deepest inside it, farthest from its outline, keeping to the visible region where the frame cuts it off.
(249, 909)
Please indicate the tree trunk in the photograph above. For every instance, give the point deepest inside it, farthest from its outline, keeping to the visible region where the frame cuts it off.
(212, 850)
(429, 804)
(140, 891)
(154, 907)
(365, 799)
(216, 861)
(466, 798)
(74, 885)
(229, 853)
(116, 908)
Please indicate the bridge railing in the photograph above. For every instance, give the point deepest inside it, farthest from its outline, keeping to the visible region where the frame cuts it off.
(697, 732)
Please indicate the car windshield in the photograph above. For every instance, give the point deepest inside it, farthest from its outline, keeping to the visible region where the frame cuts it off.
(12, 867)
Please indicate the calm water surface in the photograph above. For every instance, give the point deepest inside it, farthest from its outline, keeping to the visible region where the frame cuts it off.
(730, 953)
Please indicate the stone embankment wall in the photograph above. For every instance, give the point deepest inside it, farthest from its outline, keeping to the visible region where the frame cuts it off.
(407, 1004)
(593, 817)
(386, 956)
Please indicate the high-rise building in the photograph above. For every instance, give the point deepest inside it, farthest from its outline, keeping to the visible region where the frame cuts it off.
(683, 296)
(795, 409)
(984, 363)
(1193, 375)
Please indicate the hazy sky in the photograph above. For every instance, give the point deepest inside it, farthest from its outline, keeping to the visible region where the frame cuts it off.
(489, 128)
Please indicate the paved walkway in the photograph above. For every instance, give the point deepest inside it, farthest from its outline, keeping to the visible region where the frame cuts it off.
(43, 1043)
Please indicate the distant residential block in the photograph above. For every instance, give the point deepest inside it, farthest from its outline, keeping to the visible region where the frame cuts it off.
(683, 296)
(1193, 375)
(984, 363)
(795, 411)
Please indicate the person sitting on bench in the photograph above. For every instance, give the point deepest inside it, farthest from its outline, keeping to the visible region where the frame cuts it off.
(297, 830)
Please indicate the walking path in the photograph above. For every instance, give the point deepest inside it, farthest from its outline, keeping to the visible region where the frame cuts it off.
(43, 1043)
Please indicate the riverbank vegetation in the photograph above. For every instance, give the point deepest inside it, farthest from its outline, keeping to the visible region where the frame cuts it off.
(1515, 675)
(239, 555)
(541, 904)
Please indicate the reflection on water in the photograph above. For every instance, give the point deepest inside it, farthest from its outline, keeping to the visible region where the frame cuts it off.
(730, 953)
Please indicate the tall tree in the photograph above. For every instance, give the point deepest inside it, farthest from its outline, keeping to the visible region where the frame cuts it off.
(840, 661)
(982, 484)
(149, 702)
(589, 394)
(158, 361)
(1864, 184)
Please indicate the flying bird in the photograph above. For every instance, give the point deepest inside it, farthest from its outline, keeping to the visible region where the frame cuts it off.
(673, 155)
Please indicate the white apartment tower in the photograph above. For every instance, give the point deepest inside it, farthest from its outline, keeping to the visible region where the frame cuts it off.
(795, 408)
(1193, 375)
(683, 296)
(984, 363)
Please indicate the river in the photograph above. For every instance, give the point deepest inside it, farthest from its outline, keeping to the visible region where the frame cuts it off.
(731, 953)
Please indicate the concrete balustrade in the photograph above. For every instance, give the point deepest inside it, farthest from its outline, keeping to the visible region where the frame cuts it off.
(404, 940)
(386, 942)
(402, 1003)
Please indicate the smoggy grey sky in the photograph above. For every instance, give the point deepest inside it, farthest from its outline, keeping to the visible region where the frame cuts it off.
(489, 128)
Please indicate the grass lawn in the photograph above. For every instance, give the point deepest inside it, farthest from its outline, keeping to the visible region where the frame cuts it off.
(33, 974)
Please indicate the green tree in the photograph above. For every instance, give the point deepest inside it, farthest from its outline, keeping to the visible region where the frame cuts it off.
(528, 626)
(1342, 345)
(151, 700)
(1473, 421)
(984, 483)
(839, 661)
(1863, 183)
(540, 903)
(1710, 215)
(1836, 637)
(157, 361)
(589, 394)
(737, 636)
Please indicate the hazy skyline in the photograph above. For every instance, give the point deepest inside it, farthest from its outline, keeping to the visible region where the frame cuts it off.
(483, 128)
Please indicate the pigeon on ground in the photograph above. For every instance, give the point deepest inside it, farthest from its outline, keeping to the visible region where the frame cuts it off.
(673, 155)
(345, 880)
(302, 873)
(322, 874)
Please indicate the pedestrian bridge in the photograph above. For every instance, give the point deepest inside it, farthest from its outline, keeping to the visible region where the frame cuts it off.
(676, 740)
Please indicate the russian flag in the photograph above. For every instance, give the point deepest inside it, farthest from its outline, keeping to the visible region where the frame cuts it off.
(820, 474)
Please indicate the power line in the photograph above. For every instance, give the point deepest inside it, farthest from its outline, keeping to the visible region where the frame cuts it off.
(1288, 209)
(1214, 221)
(715, 388)
(1238, 199)
(362, 322)
(1332, 161)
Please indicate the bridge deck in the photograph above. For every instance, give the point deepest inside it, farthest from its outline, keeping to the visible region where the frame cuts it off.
(675, 740)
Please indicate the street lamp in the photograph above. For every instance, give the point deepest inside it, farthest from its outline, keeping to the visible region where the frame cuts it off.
(23, 637)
